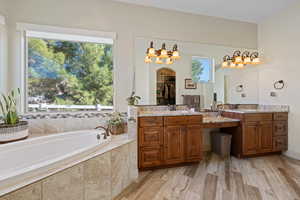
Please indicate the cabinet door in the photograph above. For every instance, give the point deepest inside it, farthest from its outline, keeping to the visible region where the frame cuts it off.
(150, 157)
(174, 140)
(251, 138)
(194, 143)
(151, 136)
(266, 136)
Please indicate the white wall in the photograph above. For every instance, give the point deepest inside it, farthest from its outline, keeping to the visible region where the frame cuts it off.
(146, 73)
(279, 40)
(248, 77)
(129, 22)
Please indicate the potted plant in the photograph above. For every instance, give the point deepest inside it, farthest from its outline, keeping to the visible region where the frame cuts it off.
(132, 101)
(116, 124)
(11, 129)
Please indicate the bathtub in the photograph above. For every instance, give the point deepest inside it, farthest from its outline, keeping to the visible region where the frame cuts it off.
(27, 161)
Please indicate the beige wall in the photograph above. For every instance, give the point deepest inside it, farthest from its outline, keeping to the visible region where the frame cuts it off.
(3, 7)
(279, 41)
(129, 22)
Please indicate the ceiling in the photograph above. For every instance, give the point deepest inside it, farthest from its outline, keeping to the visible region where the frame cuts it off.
(250, 11)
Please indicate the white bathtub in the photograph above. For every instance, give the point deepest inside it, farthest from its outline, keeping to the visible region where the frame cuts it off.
(35, 158)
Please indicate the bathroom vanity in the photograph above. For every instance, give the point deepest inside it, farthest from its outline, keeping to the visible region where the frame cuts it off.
(174, 137)
(167, 138)
(260, 132)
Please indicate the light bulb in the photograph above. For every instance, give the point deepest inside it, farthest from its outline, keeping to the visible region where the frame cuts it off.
(148, 59)
(158, 61)
(247, 60)
(163, 53)
(255, 61)
(175, 55)
(225, 64)
(151, 52)
(169, 61)
(238, 59)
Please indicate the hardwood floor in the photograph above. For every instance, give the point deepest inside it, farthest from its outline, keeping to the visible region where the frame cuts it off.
(270, 177)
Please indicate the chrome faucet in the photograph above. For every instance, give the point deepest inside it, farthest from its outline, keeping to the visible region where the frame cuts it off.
(105, 134)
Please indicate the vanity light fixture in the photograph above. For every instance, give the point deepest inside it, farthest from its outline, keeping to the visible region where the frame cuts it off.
(239, 60)
(160, 54)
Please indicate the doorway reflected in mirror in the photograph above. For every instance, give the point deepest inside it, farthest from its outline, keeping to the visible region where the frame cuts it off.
(166, 87)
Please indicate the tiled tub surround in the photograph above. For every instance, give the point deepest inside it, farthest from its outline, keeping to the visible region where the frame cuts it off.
(101, 174)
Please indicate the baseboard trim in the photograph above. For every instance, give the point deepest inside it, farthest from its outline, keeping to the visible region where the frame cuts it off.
(292, 154)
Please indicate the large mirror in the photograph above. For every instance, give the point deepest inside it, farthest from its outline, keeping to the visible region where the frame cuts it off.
(162, 84)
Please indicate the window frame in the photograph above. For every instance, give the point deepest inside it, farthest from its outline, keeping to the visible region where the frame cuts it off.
(25, 28)
(213, 67)
(3, 57)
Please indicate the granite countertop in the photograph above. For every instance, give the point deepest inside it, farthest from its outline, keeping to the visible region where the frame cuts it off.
(218, 120)
(245, 111)
(206, 117)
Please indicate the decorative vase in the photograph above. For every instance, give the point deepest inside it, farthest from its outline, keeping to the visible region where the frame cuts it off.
(118, 130)
(10, 133)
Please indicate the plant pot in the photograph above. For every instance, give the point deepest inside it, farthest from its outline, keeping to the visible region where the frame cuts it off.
(10, 133)
(118, 130)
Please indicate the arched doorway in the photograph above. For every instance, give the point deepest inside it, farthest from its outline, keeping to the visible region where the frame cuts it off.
(166, 87)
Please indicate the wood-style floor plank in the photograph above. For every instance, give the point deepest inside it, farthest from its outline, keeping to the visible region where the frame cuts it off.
(210, 187)
(214, 178)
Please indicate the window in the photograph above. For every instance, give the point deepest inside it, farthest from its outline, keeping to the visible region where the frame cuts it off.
(202, 69)
(68, 72)
(2, 54)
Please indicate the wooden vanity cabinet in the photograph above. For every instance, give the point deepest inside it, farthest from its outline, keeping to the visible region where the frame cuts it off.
(260, 133)
(165, 141)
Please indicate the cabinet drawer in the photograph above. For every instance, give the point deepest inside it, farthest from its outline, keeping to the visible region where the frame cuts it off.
(176, 120)
(195, 120)
(150, 157)
(280, 128)
(259, 117)
(280, 116)
(150, 121)
(151, 136)
(280, 143)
